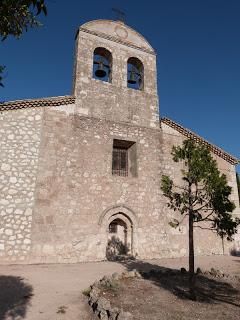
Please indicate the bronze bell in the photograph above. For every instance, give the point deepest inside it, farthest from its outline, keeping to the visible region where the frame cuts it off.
(132, 78)
(100, 72)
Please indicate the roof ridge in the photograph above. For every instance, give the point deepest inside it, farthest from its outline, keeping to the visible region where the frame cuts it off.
(192, 135)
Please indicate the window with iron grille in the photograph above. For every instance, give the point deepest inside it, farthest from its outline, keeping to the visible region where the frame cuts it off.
(120, 162)
(121, 158)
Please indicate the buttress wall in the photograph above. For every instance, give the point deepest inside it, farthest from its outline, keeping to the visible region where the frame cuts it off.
(75, 185)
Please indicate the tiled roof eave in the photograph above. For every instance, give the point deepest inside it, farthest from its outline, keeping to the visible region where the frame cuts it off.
(31, 103)
(191, 135)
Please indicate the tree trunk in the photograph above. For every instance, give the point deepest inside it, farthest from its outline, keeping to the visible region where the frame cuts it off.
(191, 259)
(223, 245)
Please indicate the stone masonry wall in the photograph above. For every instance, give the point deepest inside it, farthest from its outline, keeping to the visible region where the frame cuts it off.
(20, 138)
(56, 183)
(206, 241)
(75, 185)
(115, 101)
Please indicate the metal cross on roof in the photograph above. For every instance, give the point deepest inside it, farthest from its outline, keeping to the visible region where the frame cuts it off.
(120, 14)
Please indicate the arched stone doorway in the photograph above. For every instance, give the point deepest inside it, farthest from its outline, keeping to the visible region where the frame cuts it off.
(119, 237)
(119, 225)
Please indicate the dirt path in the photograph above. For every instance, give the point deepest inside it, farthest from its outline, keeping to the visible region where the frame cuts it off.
(53, 286)
(37, 292)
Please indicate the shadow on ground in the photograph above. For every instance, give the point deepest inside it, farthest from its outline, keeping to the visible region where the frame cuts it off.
(235, 253)
(115, 248)
(15, 296)
(208, 289)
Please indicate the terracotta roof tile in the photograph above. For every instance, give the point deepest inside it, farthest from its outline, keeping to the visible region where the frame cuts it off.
(31, 103)
(191, 135)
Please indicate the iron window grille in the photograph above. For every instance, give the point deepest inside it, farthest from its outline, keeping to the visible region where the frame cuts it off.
(120, 162)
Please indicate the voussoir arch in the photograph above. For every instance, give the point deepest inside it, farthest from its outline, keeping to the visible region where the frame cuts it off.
(115, 210)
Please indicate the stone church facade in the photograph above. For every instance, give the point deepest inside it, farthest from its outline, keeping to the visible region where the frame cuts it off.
(79, 171)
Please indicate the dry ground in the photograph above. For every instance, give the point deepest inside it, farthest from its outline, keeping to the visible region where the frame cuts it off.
(53, 292)
(165, 296)
(45, 292)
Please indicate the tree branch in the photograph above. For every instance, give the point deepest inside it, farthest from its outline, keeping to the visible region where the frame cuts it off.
(181, 188)
(205, 228)
(205, 219)
(200, 208)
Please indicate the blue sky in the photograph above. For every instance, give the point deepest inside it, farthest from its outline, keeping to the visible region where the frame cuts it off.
(198, 57)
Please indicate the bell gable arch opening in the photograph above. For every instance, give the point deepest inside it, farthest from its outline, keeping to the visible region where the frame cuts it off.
(135, 74)
(102, 64)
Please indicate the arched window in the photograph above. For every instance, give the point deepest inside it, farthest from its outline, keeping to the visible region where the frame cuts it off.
(102, 64)
(135, 70)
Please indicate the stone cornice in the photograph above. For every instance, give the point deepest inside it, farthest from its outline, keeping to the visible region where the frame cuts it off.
(117, 40)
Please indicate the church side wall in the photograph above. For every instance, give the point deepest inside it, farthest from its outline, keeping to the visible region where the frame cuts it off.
(19, 144)
(206, 241)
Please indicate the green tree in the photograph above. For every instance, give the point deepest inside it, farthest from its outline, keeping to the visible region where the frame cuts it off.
(18, 16)
(1, 75)
(202, 197)
(238, 185)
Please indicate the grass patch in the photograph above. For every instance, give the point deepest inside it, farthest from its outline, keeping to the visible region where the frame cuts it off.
(86, 292)
(61, 310)
(110, 285)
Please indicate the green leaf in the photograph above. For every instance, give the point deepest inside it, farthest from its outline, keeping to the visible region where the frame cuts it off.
(174, 223)
(19, 16)
(206, 193)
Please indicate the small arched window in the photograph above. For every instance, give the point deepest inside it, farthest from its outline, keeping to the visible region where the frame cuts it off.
(135, 74)
(102, 64)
